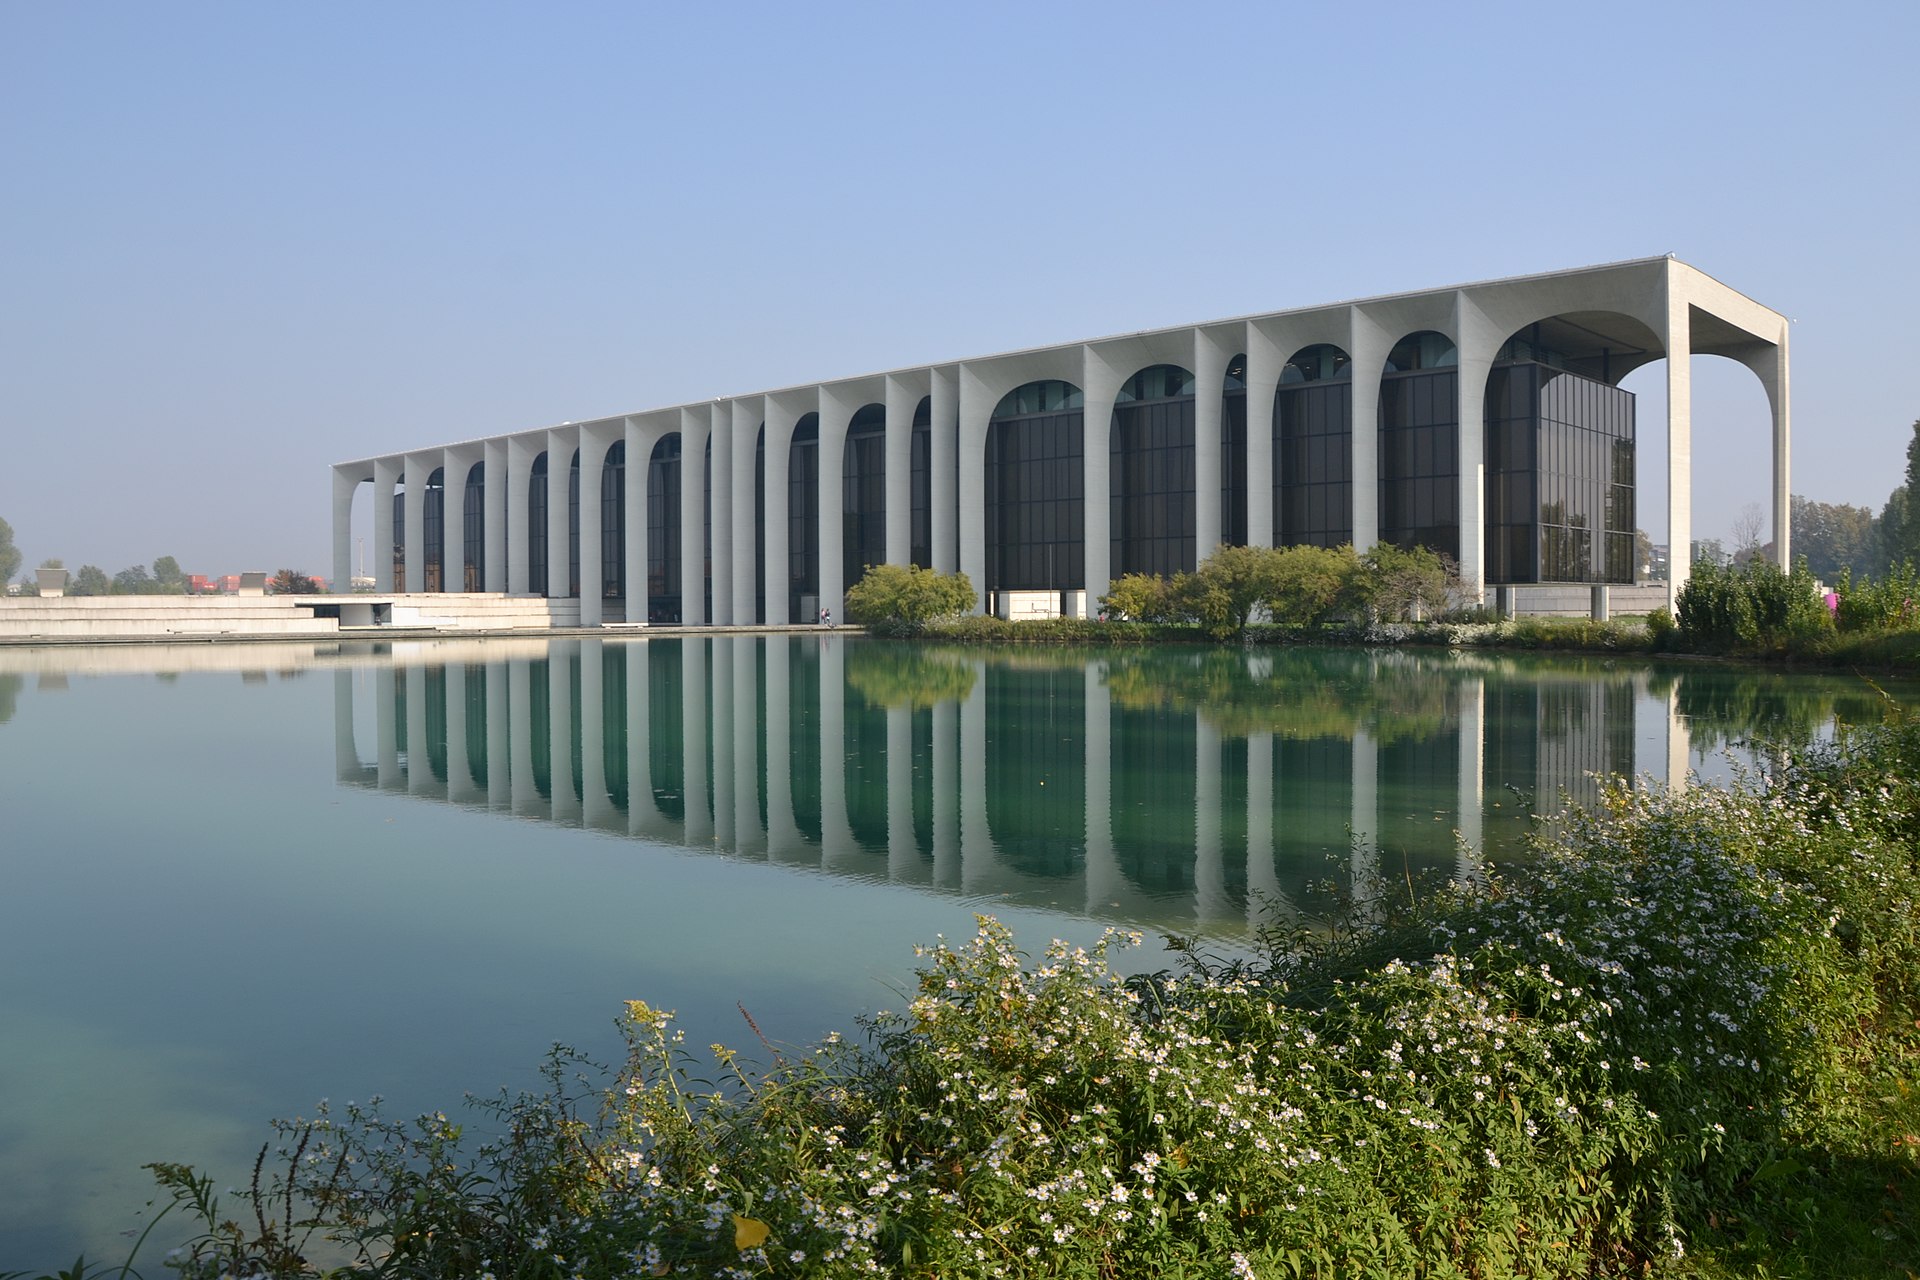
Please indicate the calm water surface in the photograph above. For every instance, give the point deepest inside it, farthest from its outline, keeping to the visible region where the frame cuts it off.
(239, 879)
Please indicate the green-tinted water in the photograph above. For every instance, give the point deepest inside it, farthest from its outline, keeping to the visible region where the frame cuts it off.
(239, 879)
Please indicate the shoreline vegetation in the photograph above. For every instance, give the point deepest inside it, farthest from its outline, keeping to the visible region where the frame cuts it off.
(1682, 1039)
(1390, 596)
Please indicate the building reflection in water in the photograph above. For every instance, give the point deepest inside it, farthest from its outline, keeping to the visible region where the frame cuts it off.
(1183, 789)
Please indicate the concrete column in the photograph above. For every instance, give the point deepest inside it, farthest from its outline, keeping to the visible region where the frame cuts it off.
(521, 452)
(344, 483)
(901, 403)
(494, 516)
(639, 462)
(1365, 823)
(1264, 897)
(903, 850)
(1210, 900)
(561, 660)
(725, 832)
(944, 479)
(784, 841)
(593, 460)
(747, 416)
(1679, 343)
(460, 788)
(453, 520)
(596, 797)
(693, 518)
(975, 412)
(1369, 361)
(499, 740)
(1263, 382)
(781, 416)
(1600, 602)
(837, 849)
(745, 764)
(524, 792)
(419, 467)
(836, 415)
(693, 740)
(720, 517)
(1472, 784)
(386, 719)
(420, 780)
(1471, 382)
(1679, 740)
(1769, 363)
(1209, 377)
(976, 834)
(560, 448)
(1104, 881)
(1099, 385)
(346, 753)
(946, 794)
(385, 475)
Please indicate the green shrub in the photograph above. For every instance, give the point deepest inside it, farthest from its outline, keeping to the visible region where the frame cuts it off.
(909, 594)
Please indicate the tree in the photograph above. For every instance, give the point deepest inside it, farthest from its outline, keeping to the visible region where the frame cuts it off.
(1834, 539)
(1223, 593)
(288, 583)
(133, 581)
(1400, 583)
(1746, 532)
(89, 580)
(1309, 584)
(1139, 597)
(910, 594)
(1899, 527)
(1642, 555)
(168, 577)
(9, 554)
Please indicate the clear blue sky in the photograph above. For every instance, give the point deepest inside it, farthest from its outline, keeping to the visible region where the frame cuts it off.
(243, 241)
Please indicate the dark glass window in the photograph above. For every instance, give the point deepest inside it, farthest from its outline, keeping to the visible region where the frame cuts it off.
(863, 494)
(573, 526)
(1313, 450)
(803, 522)
(921, 537)
(663, 532)
(1419, 445)
(1560, 474)
(433, 529)
(537, 527)
(1150, 473)
(613, 523)
(1233, 455)
(473, 521)
(1035, 489)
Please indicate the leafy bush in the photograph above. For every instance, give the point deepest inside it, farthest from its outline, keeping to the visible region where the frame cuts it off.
(908, 594)
(1751, 608)
(1139, 597)
(1885, 605)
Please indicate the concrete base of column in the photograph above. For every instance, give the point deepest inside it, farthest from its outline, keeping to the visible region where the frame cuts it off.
(1601, 602)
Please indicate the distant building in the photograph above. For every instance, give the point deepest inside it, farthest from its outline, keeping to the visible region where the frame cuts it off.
(1484, 421)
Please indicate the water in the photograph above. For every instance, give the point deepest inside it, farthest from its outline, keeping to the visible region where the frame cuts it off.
(239, 879)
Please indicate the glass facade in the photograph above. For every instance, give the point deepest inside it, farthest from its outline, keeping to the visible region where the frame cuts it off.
(1150, 473)
(863, 494)
(1035, 508)
(1233, 455)
(1313, 450)
(473, 528)
(663, 531)
(537, 527)
(1419, 445)
(1560, 476)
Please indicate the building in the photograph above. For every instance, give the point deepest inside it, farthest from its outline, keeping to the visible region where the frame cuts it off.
(1497, 434)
